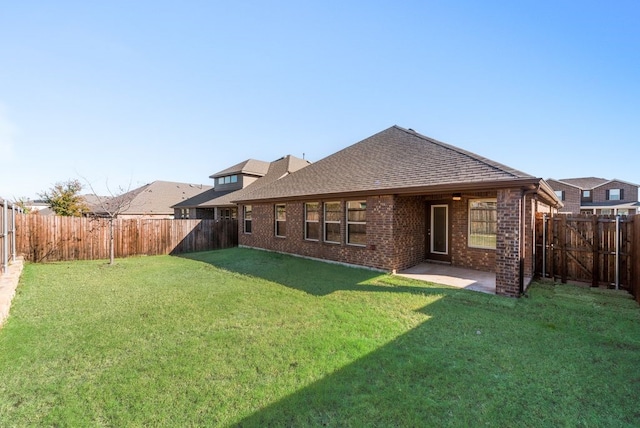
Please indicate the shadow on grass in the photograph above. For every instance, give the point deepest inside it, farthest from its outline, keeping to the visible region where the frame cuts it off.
(425, 377)
(311, 276)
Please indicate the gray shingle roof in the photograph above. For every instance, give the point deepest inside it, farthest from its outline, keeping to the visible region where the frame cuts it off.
(157, 197)
(250, 167)
(584, 182)
(277, 170)
(395, 158)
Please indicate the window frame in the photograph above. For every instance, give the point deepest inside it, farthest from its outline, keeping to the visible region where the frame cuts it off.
(470, 233)
(325, 221)
(307, 221)
(618, 193)
(246, 220)
(349, 223)
(277, 222)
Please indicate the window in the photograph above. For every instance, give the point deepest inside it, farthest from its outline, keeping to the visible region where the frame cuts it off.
(228, 179)
(614, 195)
(332, 222)
(312, 221)
(483, 223)
(623, 211)
(247, 218)
(184, 212)
(281, 220)
(560, 194)
(586, 194)
(228, 213)
(357, 223)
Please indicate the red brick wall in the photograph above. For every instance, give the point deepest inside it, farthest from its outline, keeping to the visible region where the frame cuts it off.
(409, 231)
(461, 254)
(378, 253)
(572, 196)
(507, 245)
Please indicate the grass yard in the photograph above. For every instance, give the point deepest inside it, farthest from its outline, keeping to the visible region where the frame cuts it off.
(247, 338)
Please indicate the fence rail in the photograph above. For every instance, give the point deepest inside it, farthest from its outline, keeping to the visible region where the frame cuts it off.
(8, 213)
(56, 238)
(599, 250)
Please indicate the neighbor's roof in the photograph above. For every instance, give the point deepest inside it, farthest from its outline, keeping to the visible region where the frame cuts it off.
(157, 197)
(248, 167)
(584, 182)
(202, 198)
(277, 170)
(395, 159)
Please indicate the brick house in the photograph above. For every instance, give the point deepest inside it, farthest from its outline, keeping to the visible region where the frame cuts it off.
(231, 183)
(591, 195)
(399, 198)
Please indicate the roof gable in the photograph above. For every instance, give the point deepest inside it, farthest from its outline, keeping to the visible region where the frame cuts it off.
(249, 167)
(395, 158)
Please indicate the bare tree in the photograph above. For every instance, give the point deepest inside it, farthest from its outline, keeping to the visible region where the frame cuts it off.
(111, 206)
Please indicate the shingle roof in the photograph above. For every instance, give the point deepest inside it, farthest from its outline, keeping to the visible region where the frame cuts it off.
(250, 167)
(277, 170)
(395, 158)
(202, 199)
(157, 197)
(584, 182)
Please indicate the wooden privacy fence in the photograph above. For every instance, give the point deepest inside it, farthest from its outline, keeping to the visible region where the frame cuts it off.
(56, 238)
(599, 250)
(8, 214)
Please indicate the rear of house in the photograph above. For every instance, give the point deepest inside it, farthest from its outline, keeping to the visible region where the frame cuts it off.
(397, 199)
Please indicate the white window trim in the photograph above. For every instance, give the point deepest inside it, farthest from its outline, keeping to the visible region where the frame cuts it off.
(324, 218)
(469, 221)
(346, 212)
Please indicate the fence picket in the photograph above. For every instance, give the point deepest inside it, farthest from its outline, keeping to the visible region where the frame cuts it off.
(55, 238)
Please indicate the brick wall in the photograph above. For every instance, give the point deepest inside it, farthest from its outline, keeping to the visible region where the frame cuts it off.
(378, 253)
(409, 231)
(572, 196)
(461, 254)
(507, 244)
(630, 192)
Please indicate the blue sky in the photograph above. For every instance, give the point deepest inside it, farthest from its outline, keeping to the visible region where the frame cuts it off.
(122, 93)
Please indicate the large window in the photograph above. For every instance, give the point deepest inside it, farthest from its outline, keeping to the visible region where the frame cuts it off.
(281, 220)
(357, 223)
(560, 194)
(614, 195)
(248, 214)
(312, 221)
(483, 223)
(332, 217)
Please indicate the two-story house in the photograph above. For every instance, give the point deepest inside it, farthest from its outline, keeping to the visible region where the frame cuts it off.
(234, 182)
(592, 195)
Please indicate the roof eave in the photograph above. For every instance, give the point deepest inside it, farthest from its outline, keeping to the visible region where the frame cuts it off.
(525, 183)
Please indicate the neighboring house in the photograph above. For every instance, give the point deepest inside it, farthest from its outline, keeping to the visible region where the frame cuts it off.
(234, 182)
(591, 195)
(153, 200)
(399, 198)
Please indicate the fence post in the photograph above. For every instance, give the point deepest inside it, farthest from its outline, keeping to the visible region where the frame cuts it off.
(617, 243)
(595, 270)
(5, 236)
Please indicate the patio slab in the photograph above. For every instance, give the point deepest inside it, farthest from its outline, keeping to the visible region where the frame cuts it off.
(469, 279)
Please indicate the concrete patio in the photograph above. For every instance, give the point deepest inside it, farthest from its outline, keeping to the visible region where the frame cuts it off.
(469, 279)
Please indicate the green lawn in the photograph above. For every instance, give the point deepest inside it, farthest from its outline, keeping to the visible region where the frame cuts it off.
(248, 338)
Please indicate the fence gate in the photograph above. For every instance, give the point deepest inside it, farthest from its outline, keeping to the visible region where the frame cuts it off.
(587, 248)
